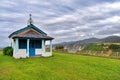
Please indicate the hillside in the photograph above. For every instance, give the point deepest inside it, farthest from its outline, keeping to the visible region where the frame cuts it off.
(60, 66)
(78, 45)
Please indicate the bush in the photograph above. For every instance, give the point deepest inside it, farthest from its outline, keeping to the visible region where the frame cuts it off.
(59, 47)
(115, 47)
(93, 47)
(8, 51)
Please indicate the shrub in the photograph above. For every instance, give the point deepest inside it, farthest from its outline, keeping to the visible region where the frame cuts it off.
(93, 47)
(115, 47)
(8, 51)
(59, 47)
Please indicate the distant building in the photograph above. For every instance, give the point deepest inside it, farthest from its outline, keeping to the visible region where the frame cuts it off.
(30, 41)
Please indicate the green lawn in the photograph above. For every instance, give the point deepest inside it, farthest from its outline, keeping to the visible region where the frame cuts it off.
(59, 67)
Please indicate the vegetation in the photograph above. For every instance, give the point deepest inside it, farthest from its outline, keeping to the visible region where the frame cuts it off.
(59, 47)
(103, 47)
(93, 47)
(115, 47)
(8, 51)
(60, 66)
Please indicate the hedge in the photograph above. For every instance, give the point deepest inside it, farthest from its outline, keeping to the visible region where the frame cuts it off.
(8, 51)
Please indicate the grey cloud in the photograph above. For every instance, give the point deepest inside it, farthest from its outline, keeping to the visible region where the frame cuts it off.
(66, 20)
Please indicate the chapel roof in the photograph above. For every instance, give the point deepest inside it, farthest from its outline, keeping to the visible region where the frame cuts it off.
(26, 28)
(30, 31)
(33, 34)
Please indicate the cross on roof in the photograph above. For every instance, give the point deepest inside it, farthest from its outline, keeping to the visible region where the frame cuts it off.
(30, 21)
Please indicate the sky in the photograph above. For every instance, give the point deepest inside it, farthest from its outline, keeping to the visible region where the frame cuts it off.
(65, 20)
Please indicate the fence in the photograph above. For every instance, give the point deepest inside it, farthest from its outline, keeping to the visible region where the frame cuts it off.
(108, 53)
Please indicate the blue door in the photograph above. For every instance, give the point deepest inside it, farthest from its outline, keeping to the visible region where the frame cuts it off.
(32, 48)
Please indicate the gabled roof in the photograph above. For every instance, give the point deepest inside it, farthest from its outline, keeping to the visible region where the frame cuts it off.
(26, 28)
(33, 34)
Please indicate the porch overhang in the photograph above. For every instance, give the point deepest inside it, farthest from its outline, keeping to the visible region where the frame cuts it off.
(32, 35)
(33, 38)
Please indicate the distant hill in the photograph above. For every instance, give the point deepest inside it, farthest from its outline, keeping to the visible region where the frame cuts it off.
(111, 39)
(73, 46)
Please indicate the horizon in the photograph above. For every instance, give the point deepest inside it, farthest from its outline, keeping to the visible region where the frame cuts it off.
(89, 38)
(84, 19)
(79, 40)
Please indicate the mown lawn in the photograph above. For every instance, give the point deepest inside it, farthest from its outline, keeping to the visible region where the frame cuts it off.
(59, 67)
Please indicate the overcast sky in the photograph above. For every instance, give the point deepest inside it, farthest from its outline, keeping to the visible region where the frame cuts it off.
(65, 20)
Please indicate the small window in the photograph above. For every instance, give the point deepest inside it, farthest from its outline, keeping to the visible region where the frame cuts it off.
(22, 44)
(38, 44)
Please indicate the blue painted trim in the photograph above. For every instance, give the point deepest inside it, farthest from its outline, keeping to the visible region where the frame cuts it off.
(38, 30)
(32, 52)
(32, 48)
(28, 27)
(32, 38)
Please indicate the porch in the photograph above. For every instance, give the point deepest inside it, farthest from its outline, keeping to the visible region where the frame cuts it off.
(30, 47)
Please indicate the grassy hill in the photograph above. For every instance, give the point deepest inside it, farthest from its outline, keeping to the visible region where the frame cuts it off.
(115, 47)
(74, 46)
(59, 67)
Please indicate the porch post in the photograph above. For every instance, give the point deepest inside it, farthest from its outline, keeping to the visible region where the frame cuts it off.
(12, 43)
(17, 45)
(43, 46)
(14, 46)
(28, 42)
(51, 46)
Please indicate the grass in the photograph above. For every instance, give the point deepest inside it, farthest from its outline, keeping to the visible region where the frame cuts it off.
(60, 66)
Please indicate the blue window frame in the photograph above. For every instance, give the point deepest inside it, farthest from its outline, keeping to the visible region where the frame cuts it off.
(22, 43)
(38, 43)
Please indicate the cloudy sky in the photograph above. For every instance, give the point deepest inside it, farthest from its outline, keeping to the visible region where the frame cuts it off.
(65, 20)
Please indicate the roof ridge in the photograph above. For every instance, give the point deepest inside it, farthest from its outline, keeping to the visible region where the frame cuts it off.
(25, 28)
